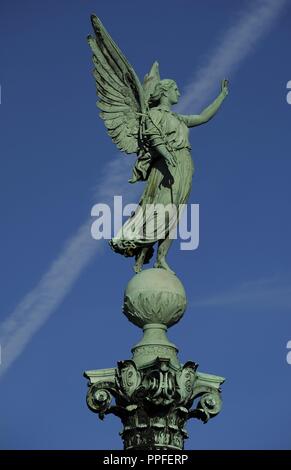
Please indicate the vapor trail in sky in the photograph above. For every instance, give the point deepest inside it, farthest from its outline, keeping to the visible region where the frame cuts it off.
(43, 300)
(233, 47)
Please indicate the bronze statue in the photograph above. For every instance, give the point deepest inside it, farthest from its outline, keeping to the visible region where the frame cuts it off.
(140, 121)
(153, 393)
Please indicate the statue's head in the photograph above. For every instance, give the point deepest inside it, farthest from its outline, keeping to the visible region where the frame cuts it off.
(167, 88)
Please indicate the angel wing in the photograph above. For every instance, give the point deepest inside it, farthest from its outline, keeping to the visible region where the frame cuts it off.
(150, 81)
(143, 163)
(121, 94)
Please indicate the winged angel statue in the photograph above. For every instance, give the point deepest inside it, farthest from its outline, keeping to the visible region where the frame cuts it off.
(139, 120)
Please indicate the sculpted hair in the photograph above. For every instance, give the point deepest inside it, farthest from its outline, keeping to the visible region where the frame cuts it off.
(160, 90)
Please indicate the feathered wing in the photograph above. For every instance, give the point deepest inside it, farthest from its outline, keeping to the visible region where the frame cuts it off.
(150, 81)
(119, 89)
(143, 163)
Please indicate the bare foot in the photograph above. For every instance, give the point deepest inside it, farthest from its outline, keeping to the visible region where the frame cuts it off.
(137, 267)
(162, 264)
(140, 260)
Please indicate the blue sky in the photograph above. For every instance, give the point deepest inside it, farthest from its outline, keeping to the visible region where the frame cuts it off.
(54, 166)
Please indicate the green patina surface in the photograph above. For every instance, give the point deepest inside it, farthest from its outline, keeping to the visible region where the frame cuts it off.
(139, 120)
(154, 393)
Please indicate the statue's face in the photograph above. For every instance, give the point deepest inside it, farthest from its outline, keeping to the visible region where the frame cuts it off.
(174, 94)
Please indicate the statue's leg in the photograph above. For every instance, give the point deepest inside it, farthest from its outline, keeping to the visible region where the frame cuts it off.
(140, 259)
(163, 249)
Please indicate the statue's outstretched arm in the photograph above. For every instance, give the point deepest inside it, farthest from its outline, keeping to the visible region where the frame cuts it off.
(210, 111)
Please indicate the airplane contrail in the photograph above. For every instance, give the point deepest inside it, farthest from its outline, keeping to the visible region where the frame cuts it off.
(44, 299)
(234, 46)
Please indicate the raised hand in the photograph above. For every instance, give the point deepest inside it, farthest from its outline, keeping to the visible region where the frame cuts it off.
(224, 87)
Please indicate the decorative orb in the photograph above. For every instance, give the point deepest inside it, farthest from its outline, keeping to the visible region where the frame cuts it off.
(154, 296)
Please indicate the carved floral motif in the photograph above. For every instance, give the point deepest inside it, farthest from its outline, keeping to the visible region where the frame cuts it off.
(155, 402)
(145, 307)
